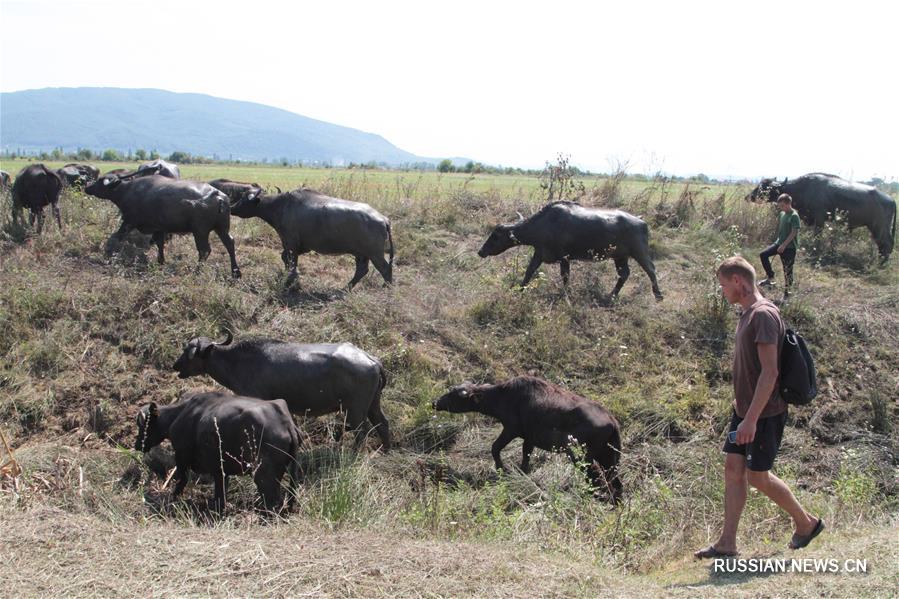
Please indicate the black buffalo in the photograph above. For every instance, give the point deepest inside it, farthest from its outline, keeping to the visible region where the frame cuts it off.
(307, 221)
(224, 435)
(36, 187)
(548, 417)
(159, 167)
(74, 174)
(235, 190)
(818, 197)
(159, 205)
(314, 379)
(565, 231)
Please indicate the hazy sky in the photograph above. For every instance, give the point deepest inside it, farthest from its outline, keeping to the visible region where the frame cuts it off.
(723, 88)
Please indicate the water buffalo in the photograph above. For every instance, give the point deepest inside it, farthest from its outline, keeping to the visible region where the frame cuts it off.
(159, 205)
(35, 187)
(564, 231)
(313, 379)
(78, 174)
(307, 221)
(235, 190)
(224, 435)
(159, 167)
(818, 196)
(548, 417)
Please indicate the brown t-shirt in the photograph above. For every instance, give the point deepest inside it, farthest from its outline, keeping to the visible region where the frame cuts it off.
(761, 323)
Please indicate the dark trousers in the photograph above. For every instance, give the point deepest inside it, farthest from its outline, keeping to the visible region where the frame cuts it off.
(787, 258)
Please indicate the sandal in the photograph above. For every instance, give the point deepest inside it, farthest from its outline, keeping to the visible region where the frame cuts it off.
(712, 552)
(799, 541)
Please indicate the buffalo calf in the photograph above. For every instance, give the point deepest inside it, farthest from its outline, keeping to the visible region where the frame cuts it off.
(548, 417)
(223, 435)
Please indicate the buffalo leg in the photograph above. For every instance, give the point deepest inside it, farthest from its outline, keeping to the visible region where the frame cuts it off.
(504, 439)
(607, 461)
(526, 451)
(565, 270)
(58, 215)
(159, 240)
(361, 271)
(203, 247)
(228, 242)
(650, 269)
(379, 422)
(220, 481)
(290, 263)
(182, 470)
(356, 423)
(118, 236)
(624, 272)
(536, 261)
(384, 267)
(268, 483)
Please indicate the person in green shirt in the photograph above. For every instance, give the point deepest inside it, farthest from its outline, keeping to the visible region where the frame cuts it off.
(786, 244)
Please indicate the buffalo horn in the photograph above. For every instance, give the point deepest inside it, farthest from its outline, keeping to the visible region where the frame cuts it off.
(228, 340)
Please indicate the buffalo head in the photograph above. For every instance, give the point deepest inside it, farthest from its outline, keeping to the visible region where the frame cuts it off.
(103, 187)
(148, 433)
(501, 239)
(193, 360)
(461, 398)
(248, 205)
(766, 191)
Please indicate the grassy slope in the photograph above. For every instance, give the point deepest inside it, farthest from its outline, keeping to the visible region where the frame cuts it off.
(87, 340)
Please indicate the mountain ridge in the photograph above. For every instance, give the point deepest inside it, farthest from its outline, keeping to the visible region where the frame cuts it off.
(126, 119)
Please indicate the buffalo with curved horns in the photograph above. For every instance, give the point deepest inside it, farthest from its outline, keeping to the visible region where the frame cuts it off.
(819, 196)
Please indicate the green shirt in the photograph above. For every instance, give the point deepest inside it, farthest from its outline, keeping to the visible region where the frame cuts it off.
(788, 222)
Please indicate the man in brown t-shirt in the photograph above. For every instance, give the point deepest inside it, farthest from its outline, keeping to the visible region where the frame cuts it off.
(757, 424)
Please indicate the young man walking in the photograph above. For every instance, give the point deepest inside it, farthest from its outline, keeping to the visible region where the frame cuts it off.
(759, 414)
(786, 244)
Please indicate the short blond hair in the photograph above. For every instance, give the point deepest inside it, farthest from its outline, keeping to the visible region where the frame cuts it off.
(785, 198)
(737, 265)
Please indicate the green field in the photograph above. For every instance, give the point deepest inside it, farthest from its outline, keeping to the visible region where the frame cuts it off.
(87, 339)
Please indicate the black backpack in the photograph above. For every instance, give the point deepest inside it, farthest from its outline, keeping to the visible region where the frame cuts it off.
(797, 371)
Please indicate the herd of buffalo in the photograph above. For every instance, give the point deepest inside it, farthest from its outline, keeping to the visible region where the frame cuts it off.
(253, 431)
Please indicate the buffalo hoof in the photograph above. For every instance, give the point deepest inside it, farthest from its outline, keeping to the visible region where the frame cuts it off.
(236, 273)
(659, 297)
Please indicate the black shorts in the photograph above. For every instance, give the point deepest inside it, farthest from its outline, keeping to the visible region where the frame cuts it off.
(761, 452)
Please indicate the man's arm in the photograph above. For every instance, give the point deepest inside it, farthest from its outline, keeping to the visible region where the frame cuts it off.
(763, 390)
(790, 237)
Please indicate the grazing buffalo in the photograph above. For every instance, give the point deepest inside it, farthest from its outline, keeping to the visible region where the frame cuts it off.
(74, 174)
(36, 187)
(159, 167)
(313, 379)
(548, 417)
(159, 205)
(235, 190)
(564, 231)
(308, 221)
(818, 197)
(224, 435)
